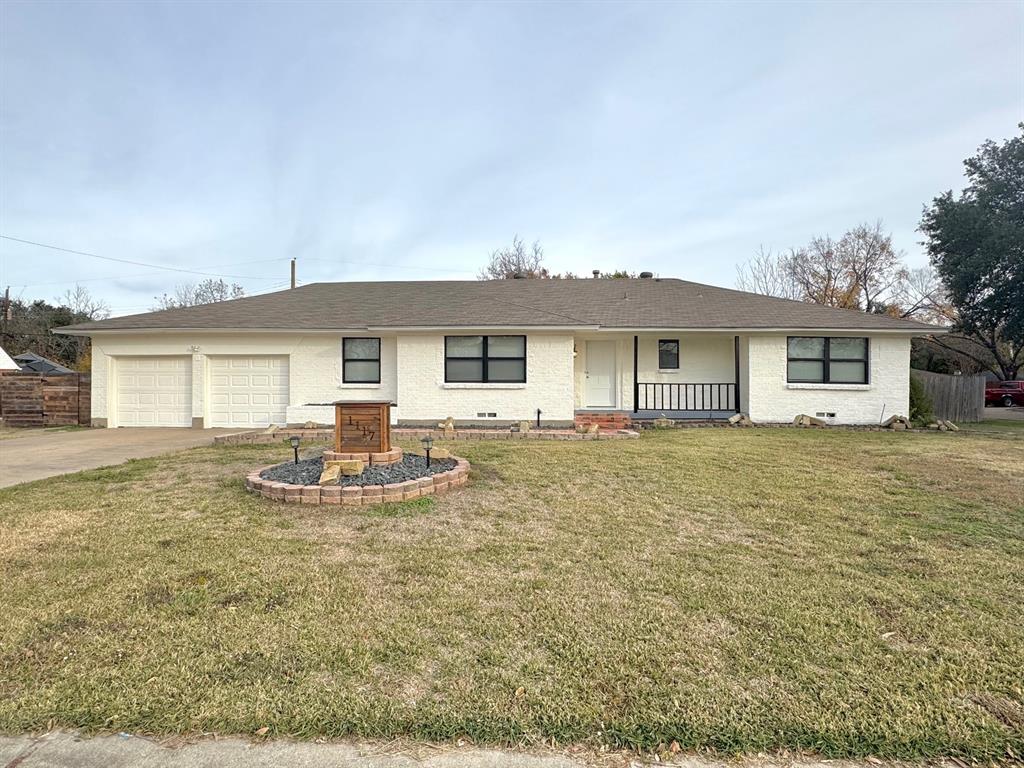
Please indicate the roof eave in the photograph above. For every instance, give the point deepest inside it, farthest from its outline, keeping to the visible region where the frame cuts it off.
(923, 330)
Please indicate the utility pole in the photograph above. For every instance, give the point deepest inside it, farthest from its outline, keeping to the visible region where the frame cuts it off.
(293, 271)
(7, 305)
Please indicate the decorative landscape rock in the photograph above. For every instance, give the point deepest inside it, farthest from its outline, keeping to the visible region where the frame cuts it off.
(897, 422)
(742, 420)
(664, 421)
(803, 420)
(524, 426)
(350, 467)
(332, 471)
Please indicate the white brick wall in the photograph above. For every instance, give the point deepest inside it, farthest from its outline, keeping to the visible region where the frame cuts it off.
(554, 377)
(771, 399)
(315, 374)
(424, 396)
(314, 370)
(100, 369)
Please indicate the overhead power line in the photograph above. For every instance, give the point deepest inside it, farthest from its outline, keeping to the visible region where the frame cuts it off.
(138, 263)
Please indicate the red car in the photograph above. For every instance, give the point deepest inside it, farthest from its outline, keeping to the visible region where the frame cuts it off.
(1004, 393)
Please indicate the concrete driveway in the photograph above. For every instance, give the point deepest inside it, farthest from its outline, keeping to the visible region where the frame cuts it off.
(1004, 414)
(44, 453)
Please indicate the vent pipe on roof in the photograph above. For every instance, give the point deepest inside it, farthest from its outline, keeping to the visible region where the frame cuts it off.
(597, 273)
(646, 275)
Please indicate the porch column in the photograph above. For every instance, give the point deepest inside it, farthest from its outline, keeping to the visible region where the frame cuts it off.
(636, 383)
(736, 378)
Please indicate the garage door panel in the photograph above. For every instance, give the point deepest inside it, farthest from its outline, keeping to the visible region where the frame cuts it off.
(248, 391)
(154, 391)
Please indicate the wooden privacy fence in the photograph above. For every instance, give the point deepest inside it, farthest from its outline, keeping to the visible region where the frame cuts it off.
(45, 400)
(954, 398)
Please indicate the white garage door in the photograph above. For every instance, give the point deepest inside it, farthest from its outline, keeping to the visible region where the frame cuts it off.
(248, 391)
(154, 391)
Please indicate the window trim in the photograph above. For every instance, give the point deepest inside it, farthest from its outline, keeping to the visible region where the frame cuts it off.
(668, 367)
(484, 358)
(345, 360)
(827, 360)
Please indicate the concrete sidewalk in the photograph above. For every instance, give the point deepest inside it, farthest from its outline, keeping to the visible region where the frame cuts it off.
(68, 750)
(40, 453)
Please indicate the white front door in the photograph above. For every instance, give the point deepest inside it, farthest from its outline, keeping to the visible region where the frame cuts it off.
(599, 391)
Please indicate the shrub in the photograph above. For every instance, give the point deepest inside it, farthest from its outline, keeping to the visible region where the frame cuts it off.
(921, 411)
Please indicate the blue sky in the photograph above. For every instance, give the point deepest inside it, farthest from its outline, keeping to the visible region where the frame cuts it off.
(407, 141)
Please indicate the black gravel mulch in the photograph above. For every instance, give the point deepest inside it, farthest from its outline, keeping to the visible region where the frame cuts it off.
(307, 471)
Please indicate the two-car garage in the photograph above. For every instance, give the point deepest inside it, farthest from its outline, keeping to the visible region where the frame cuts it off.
(239, 391)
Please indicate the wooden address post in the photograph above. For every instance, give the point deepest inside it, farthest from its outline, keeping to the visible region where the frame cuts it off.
(362, 427)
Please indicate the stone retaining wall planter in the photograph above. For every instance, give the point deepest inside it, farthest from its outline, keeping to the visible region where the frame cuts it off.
(408, 433)
(356, 495)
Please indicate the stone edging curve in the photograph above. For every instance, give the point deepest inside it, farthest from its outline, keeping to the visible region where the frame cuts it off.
(355, 495)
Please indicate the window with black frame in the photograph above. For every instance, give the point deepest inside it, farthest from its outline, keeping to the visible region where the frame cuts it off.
(485, 359)
(827, 360)
(668, 354)
(360, 360)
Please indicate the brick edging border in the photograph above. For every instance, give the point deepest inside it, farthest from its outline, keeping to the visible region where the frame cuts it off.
(356, 495)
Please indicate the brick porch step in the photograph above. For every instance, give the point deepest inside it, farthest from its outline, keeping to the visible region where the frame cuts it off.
(609, 420)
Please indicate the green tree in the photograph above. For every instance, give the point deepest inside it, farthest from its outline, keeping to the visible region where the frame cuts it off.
(976, 244)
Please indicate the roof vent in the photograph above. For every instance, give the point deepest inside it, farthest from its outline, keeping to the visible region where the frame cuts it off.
(518, 276)
(596, 272)
(646, 275)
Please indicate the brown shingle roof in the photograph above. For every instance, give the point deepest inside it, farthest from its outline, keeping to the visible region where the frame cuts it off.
(631, 303)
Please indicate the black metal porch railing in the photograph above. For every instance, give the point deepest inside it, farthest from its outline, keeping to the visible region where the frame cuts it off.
(667, 396)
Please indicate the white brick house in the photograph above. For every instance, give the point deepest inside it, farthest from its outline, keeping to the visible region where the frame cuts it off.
(499, 351)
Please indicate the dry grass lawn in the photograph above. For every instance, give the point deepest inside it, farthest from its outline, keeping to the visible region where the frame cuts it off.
(742, 590)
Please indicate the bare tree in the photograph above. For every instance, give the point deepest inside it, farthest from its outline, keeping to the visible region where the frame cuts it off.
(193, 294)
(516, 260)
(81, 302)
(766, 273)
(822, 274)
(921, 295)
(861, 270)
(872, 265)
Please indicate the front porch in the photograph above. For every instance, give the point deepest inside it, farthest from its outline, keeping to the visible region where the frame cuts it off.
(639, 377)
